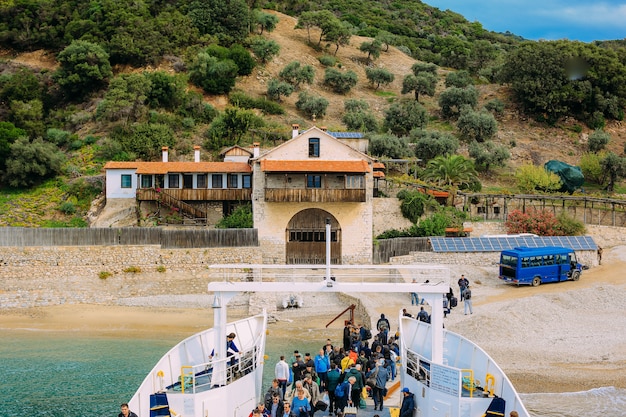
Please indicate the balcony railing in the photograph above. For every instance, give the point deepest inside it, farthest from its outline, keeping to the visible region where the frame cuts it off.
(188, 194)
(314, 195)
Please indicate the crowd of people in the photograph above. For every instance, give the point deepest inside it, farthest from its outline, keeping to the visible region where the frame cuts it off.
(341, 376)
(338, 376)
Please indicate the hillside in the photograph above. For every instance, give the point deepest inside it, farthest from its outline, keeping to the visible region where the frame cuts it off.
(526, 139)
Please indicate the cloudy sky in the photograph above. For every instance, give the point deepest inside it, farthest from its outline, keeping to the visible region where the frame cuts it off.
(545, 19)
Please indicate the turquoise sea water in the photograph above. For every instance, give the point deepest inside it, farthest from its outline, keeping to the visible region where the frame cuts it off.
(52, 374)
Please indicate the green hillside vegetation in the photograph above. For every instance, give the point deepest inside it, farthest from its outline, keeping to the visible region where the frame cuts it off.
(127, 78)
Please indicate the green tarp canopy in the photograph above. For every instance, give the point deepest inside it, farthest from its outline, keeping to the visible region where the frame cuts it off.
(571, 176)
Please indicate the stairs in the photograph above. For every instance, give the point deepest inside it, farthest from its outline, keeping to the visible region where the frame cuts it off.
(184, 208)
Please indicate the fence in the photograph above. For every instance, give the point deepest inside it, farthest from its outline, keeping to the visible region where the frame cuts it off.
(384, 249)
(166, 238)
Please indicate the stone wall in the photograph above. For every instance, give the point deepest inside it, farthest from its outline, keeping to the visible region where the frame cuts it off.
(41, 276)
(387, 215)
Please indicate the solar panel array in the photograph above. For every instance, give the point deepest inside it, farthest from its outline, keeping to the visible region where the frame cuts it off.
(497, 244)
(346, 135)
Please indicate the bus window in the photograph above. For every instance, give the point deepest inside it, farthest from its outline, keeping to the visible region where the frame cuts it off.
(525, 262)
(548, 260)
(509, 261)
(535, 261)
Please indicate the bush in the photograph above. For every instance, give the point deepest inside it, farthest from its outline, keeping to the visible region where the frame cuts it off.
(132, 269)
(276, 89)
(328, 60)
(430, 144)
(244, 101)
(296, 74)
(412, 204)
(532, 178)
(312, 106)
(340, 82)
(539, 222)
(29, 163)
(240, 218)
(591, 167)
(495, 106)
(161, 268)
(460, 79)
(477, 126)
(104, 274)
(360, 121)
(67, 208)
(569, 226)
(453, 99)
(405, 116)
(389, 145)
(598, 141)
(213, 75)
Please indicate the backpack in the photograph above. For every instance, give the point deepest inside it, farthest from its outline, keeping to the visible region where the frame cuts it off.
(368, 334)
(340, 391)
(467, 295)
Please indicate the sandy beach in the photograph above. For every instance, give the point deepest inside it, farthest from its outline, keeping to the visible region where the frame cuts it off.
(553, 338)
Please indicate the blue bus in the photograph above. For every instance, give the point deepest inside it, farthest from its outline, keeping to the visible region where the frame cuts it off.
(534, 266)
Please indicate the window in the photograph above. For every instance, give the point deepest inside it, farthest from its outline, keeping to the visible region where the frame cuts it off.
(173, 181)
(355, 182)
(233, 180)
(246, 181)
(314, 147)
(481, 210)
(216, 181)
(127, 181)
(146, 181)
(187, 181)
(314, 181)
(496, 210)
(202, 181)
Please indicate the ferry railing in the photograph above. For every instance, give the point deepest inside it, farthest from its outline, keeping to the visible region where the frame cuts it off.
(191, 376)
(341, 273)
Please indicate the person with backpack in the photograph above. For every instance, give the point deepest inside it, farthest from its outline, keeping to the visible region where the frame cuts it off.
(342, 391)
(383, 326)
(467, 300)
(423, 315)
(333, 378)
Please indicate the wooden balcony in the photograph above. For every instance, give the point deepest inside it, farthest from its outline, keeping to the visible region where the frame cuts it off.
(314, 195)
(188, 194)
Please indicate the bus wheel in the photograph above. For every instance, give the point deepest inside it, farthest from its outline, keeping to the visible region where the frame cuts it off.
(536, 281)
(575, 275)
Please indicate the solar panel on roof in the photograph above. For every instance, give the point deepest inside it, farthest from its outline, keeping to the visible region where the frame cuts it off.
(346, 135)
(497, 244)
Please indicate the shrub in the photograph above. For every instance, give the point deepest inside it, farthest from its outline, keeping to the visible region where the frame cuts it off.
(161, 268)
(240, 218)
(360, 121)
(104, 274)
(328, 60)
(132, 269)
(430, 144)
(532, 178)
(340, 82)
(598, 141)
(296, 74)
(312, 106)
(401, 118)
(389, 145)
(569, 226)
(67, 208)
(458, 79)
(495, 106)
(477, 126)
(412, 204)
(539, 222)
(591, 167)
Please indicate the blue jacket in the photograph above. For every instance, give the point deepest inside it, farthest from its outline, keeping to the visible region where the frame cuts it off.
(408, 405)
(322, 363)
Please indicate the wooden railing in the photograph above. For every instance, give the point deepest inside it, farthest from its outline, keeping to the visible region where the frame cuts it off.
(314, 195)
(205, 194)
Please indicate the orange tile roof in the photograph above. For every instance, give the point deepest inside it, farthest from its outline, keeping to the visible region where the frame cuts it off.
(269, 165)
(436, 193)
(379, 174)
(167, 167)
(379, 165)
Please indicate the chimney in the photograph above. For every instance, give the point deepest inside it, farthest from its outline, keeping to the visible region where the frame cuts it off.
(324, 128)
(255, 149)
(295, 130)
(164, 150)
(196, 153)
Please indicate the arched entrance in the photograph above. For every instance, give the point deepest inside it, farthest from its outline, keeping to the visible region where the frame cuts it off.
(306, 238)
